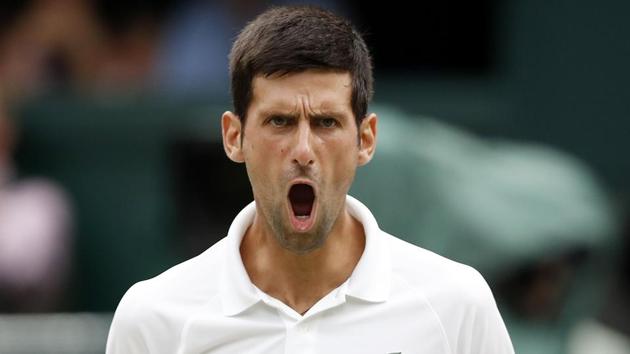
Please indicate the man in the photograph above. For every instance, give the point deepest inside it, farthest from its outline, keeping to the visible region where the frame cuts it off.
(305, 268)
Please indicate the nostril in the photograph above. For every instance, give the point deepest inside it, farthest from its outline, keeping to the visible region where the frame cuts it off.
(304, 157)
(306, 162)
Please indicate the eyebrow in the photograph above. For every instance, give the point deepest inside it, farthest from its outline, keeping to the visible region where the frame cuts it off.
(295, 115)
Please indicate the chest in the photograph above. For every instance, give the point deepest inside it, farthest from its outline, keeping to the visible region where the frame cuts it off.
(354, 327)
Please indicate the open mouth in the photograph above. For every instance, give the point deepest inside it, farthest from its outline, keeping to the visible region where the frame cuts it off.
(302, 197)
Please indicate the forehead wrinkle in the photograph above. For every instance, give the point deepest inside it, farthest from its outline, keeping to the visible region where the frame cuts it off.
(278, 105)
(325, 108)
(301, 102)
(306, 104)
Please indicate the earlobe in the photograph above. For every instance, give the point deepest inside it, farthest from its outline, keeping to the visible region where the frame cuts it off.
(231, 130)
(367, 136)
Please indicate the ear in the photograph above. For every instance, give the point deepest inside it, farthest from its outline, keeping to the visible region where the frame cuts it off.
(231, 129)
(367, 139)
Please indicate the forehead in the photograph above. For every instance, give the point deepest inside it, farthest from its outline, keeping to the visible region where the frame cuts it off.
(316, 90)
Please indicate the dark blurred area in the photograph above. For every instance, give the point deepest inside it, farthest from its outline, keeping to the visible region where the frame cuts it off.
(432, 38)
(112, 168)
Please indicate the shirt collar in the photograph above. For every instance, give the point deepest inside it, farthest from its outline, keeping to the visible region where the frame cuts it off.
(370, 280)
(237, 291)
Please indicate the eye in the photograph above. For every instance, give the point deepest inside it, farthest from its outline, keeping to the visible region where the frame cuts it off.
(327, 122)
(279, 121)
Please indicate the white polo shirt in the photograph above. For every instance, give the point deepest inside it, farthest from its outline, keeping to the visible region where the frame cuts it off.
(399, 299)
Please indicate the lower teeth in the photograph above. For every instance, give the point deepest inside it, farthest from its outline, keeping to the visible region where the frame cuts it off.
(302, 217)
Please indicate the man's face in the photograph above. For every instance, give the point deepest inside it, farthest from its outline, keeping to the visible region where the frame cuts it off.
(301, 151)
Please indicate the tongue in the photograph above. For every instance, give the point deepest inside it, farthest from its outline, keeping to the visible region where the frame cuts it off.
(301, 197)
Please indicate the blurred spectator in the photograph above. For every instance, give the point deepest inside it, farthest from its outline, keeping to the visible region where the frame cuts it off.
(132, 35)
(610, 332)
(196, 39)
(120, 46)
(78, 44)
(46, 43)
(195, 42)
(35, 243)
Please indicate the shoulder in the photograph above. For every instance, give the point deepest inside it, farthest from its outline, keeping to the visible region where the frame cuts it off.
(153, 311)
(434, 274)
(197, 276)
(458, 295)
(184, 282)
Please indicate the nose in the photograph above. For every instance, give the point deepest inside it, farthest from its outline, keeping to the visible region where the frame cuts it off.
(303, 153)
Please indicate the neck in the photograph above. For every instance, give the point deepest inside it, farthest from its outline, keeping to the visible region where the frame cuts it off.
(300, 280)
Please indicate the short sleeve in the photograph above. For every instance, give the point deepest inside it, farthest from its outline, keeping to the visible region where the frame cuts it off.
(126, 334)
(483, 331)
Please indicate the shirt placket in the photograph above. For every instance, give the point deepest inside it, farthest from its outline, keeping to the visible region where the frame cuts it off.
(301, 336)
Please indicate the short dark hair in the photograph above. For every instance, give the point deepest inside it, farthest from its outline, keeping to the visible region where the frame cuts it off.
(291, 39)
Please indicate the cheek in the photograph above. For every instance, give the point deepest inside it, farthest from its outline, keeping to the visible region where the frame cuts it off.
(277, 150)
(344, 160)
(260, 149)
(263, 157)
(347, 149)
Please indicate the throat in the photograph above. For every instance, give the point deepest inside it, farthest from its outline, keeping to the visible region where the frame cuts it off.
(298, 284)
(301, 280)
(292, 279)
(299, 296)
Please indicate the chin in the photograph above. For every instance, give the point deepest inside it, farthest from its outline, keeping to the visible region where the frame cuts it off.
(302, 242)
